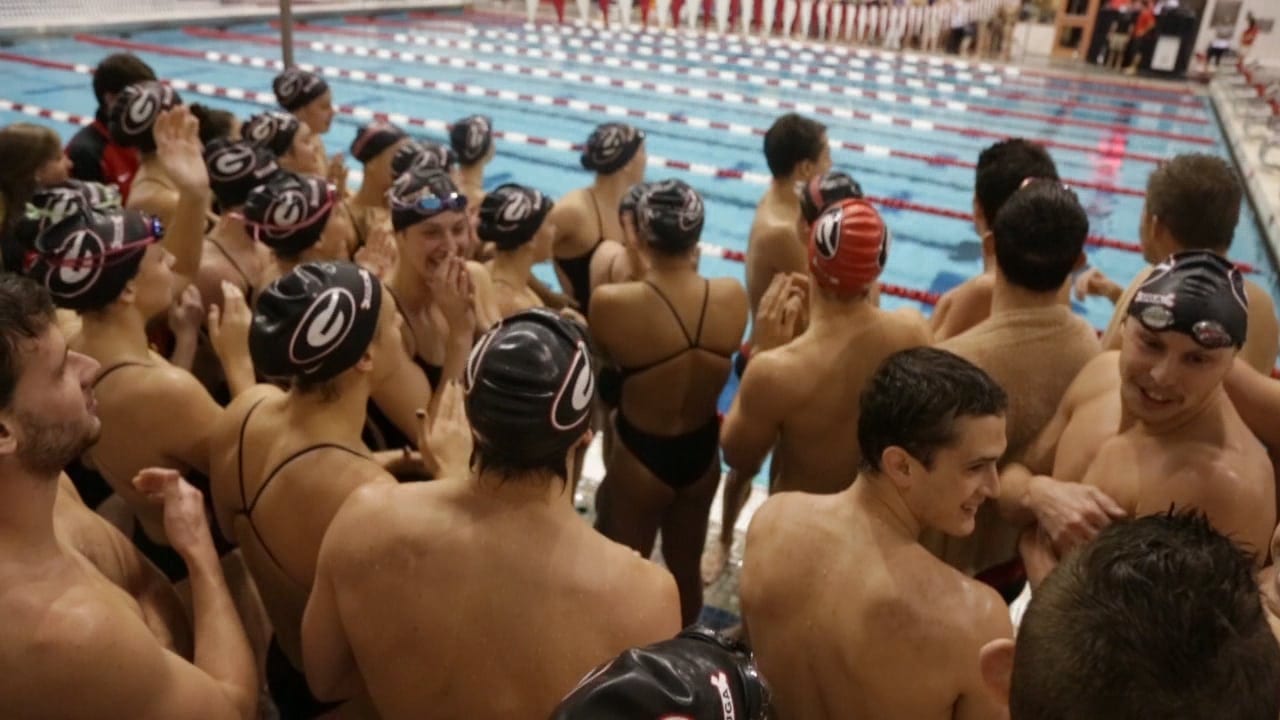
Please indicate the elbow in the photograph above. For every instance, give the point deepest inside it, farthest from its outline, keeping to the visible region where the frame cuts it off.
(738, 455)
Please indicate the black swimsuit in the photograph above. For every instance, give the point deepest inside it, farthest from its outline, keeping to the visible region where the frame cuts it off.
(578, 269)
(677, 460)
(288, 685)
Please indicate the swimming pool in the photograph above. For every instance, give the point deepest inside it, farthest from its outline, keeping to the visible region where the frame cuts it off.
(908, 128)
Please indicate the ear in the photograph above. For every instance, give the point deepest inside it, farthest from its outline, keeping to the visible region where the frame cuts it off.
(129, 295)
(8, 439)
(365, 363)
(898, 465)
(995, 660)
(988, 243)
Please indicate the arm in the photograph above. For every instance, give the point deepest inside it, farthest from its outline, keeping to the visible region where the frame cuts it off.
(485, 300)
(178, 147)
(228, 325)
(402, 392)
(751, 427)
(327, 656)
(1257, 399)
(992, 622)
(1111, 337)
(1263, 332)
(183, 431)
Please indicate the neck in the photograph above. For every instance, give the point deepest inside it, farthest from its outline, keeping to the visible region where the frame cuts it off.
(609, 189)
(412, 291)
(825, 310)
(231, 232)
(542, 491)
(119, 332)
(661, 265)
(1006, 296)
(783, 192)
(26, 509)
(341, 417)
(875, 495)
(514, 266)
(473, 174)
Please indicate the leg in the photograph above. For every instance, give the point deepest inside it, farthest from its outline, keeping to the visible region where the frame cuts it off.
(737, 488)
(631, 502)
(684, 532)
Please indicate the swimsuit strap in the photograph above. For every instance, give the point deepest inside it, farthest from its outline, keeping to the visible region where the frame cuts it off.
(599, 218)
(102, 374)
(688, 338)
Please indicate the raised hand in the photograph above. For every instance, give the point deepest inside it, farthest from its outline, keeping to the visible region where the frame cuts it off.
(454, 293)
(1093, 282)
(186, 313)
(229, 325)
(447, 436)
(177, 135)
(185, 523)
(379, 254)
(336, 173)
(778, 317)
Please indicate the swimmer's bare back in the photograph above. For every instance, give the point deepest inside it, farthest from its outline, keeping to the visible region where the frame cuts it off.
(469, 646)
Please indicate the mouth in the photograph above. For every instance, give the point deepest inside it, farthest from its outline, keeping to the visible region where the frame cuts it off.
(91, 404)
(1156, 398)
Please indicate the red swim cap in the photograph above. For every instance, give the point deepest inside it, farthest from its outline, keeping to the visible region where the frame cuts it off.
(848, 247)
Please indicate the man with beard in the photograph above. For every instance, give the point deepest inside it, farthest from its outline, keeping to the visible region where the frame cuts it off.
(73, 643)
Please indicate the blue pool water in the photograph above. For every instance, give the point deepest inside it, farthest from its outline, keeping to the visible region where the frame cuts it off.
(930, 252)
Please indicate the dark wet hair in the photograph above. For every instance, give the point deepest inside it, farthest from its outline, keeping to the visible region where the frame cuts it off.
(26, 311)
(1003, 167)
(1039, 235)
(1198, 198)
(791, 140)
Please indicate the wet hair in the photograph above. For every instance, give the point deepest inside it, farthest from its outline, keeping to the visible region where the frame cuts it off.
(24, 148)
(914, 400)
(26, 311)
(791, 140)
(1198, 198)
(117, 72)
(1003, 167)
(214, 123)
(1039, 235)
(1156, 617)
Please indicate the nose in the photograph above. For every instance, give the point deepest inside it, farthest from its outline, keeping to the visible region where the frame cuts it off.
(991, 482)
(1163, 371)
(89, 369)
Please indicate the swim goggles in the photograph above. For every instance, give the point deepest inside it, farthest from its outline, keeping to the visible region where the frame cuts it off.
(1209, 334)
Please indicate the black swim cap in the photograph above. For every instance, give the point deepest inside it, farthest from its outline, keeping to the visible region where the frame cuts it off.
(1196, 293)
(629, 201)
(511, 215)
(296, 88)
(471, 137)
(669, 216)
(530, 387)
(49, 206)
(314, 322)
(421, 195)
(698, 674)
(236, 167)
(87, 258)
(822, 191)
(288, 213)
(135, 111)
(373, 138)
(274, 131)
(421, 156)
(610, 147)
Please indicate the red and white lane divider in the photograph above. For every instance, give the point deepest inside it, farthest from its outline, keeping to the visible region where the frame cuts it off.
(1111, 148)
(415, 83)
(820, 88)
(698, 38)
(440, 126)
(879, 73)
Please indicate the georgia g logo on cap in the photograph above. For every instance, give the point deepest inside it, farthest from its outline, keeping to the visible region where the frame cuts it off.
(78, 264)
(477, 131)
(826, 234)
(141, 111)
(573, 402)
(323, 327)
(285, 211)
(262, 128)
(232, 162)
(609, 143)
(517, 208)
(691, 211)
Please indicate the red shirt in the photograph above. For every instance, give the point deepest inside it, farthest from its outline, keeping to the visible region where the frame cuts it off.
(95, 158)
(1146, 21)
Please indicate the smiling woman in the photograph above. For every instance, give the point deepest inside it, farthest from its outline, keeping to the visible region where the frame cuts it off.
(30, 158)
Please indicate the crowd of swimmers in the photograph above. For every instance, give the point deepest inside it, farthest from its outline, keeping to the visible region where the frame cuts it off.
(273, 447)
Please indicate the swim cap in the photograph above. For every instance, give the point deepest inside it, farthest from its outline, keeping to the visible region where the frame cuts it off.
(530, 387)
(421, 156)
(47, 207)
(511, 215)
(471, 137)
(373, 138)
(669, 216)
(296, 88)
(236, 167)
(1196, 293)
(134, 113)
(628, 202)
(271, 130)
(288, 213)
(314, 322)
(610, 147)
(823, 190)
(848, 247)
(87, 258)
(698, 674)
(421, 195)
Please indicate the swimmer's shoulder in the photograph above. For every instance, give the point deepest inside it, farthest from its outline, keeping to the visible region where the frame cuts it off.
(1099, 375)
